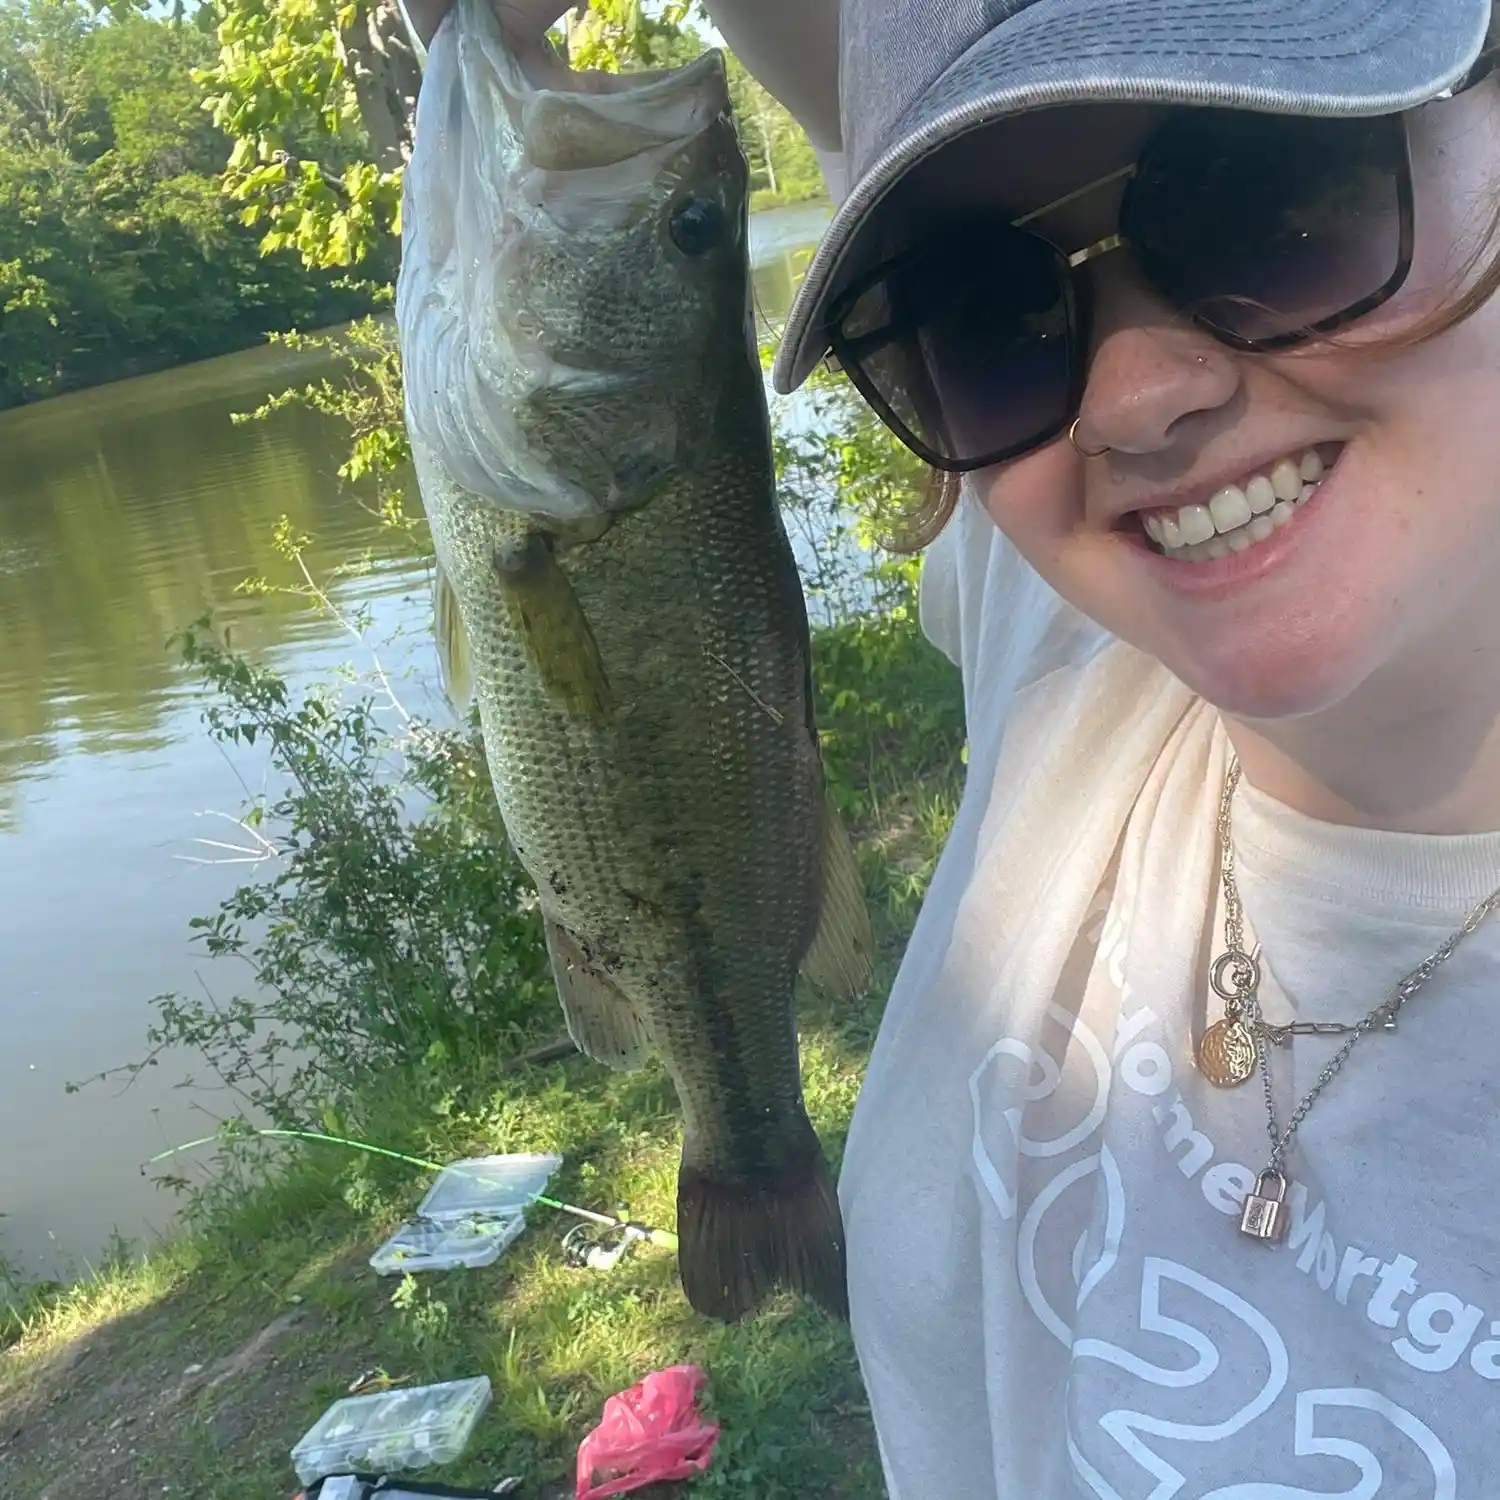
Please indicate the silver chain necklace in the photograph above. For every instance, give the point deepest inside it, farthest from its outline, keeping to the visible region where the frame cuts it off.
(1232, 1048)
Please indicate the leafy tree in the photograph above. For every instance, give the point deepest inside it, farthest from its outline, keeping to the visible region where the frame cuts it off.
(316, 96)
(621, 36)
(121, 133)
(783, 168)
(118, 251)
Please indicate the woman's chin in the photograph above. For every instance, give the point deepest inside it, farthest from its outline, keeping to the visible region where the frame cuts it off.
(1277, 679)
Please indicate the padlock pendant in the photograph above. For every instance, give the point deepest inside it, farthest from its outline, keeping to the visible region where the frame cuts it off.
(1265, 1213)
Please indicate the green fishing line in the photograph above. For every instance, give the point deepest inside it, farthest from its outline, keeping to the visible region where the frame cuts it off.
(661, 1237)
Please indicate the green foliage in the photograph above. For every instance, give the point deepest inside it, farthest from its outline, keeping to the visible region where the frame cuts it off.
(175, 188)
(317, 157)
(890, 708)
(317, 97)
(396, 925)
(24, 1304)
(118, 251)
(846, 485)
(317, 160)
(622, 36)
(783, 168)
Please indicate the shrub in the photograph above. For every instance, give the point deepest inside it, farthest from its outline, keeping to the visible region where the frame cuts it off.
(398, 923)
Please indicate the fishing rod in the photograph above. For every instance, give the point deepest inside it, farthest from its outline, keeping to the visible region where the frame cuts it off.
(663, 1237)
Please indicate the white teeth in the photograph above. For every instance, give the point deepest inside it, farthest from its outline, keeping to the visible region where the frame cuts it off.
(1196, 523)
(1286, 480)
(1260, 494)
(1237, 518)
(1229, 508)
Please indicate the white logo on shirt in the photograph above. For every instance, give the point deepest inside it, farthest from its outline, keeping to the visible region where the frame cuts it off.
(1372, 1447)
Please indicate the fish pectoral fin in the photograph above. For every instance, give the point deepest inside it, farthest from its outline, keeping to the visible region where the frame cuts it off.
(601, 1018)
(840, 959)
(551, 622)
(452, 642)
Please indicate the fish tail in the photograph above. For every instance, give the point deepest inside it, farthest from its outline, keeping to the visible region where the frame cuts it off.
(740, 1238)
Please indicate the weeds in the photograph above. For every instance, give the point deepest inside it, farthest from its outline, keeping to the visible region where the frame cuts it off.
(396, 923)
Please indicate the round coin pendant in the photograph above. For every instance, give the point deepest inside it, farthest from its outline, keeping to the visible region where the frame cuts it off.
(1226, 1054)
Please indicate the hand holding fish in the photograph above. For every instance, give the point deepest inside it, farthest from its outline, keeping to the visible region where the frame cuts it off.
(524, 20)
(791, 46)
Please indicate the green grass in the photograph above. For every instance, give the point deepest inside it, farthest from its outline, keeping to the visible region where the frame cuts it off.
(266, 1287)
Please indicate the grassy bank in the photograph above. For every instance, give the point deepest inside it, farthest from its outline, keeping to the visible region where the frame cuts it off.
(193, 1370)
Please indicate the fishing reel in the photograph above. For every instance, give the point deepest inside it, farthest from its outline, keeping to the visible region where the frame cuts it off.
(590, 1247)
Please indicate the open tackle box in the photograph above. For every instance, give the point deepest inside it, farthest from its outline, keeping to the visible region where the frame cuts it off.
(473, 1212)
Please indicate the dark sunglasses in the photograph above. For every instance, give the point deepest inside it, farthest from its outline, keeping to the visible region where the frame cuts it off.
(1264, 230)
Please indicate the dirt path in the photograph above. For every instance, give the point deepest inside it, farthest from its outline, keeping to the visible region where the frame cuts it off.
(103, 1416)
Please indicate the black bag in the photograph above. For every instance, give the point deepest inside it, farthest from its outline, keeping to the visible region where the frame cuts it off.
(384, 1487)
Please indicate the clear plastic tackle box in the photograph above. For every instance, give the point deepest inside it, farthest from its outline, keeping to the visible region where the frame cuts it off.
(470, 1216)
(399, 1429)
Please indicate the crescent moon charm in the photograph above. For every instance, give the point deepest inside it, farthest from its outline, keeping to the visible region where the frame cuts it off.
(1227, 1054)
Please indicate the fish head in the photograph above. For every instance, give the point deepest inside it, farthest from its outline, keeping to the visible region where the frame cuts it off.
(623, 276)
(574, 279)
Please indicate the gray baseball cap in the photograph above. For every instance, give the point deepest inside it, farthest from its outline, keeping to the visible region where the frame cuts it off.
(917, 74)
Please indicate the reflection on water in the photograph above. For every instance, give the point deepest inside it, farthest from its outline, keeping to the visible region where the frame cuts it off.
(124, 514)
(121, 523)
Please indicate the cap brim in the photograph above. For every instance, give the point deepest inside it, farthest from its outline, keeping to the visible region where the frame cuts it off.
(1307, 57)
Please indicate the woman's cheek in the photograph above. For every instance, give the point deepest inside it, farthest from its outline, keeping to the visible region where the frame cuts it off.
(1035, 500)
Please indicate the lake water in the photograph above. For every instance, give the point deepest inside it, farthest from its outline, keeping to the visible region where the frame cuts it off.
(125, 513)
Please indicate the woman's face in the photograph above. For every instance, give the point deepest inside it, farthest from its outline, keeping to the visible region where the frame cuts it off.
(1395, 558)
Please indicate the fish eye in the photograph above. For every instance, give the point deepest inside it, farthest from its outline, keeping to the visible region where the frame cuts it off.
(697, 225)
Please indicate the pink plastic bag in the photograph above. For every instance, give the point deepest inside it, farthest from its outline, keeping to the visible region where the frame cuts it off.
(649, 1433)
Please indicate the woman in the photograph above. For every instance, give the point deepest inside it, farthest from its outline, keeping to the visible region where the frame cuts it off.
(1172, 1170)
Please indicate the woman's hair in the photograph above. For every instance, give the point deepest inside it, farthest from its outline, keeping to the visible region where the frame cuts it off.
(933, 507)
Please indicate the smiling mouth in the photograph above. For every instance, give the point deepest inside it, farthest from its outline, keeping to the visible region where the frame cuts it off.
(1239, 516)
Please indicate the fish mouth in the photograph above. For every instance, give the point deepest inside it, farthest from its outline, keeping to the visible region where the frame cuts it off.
(572, 120)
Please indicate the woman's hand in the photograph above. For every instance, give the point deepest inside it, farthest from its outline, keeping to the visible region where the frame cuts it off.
(791, 46)
(524, 20)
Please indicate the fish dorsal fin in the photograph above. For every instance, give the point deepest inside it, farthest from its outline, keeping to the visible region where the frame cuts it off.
(601, 1019)
(452, 643)
(552, 625)
(840, 959)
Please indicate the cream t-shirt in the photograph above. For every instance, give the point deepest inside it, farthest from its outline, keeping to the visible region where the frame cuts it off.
(1050, 1294)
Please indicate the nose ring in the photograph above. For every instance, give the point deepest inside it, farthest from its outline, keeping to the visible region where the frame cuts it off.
(1077, 448)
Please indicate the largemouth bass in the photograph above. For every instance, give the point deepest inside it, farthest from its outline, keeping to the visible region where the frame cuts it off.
(591, 440)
